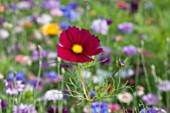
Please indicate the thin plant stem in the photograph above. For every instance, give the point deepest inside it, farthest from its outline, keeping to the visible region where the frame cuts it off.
(136, 78)
(156, 82)
(39, 73)
(86, 92)
(144, 68)
(54, 103)
(166, 69)
(60, 103)
(0, 106)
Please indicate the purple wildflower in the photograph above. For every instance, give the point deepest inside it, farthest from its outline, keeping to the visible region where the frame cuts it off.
(134, 6)
(125, 27)
(129, 110)
(23, 108)
(13, 7)
(99, 107)
(13, 88)
(34, 83)
(106, 50)
(109, 21)
(51, 110)
(164, 86)
(100, 26)
(44, 65)
(25, 5)
(121, 63)
(105, 58)
(35, 55)
(129, 50)
(52, 77)
(3, 104)
(148, 110)
(159, 110)
(150, 99)
(50, 4)
(2, 20)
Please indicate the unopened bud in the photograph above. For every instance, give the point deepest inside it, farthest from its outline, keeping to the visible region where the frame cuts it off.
(121, 63)
(39, 48)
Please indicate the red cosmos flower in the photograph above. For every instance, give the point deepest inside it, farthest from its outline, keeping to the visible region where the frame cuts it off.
(77, 45)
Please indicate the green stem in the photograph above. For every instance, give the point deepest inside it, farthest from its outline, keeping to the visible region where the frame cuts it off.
(167, 69)
(156, 82)
(54, 102)
(0, 106)
(39, 73)
(144, 68)
(136, 79)
(60, 103)
(85, 89)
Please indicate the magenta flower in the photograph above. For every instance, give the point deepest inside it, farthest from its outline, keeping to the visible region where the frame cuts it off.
(77, 45)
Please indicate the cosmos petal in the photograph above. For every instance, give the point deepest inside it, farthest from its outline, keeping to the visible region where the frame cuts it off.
(84, 35)
(65, 54)
(93, 52)
(64, 40)
(82, 58)
(91, 43)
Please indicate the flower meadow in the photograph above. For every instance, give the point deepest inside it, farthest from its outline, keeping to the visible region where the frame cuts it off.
(84, 56)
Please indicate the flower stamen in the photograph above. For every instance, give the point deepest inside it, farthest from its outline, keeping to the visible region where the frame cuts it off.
(77, 48)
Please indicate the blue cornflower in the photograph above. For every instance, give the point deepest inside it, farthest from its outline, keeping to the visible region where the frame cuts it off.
(92, 94)
(148, 110)
(51, 74)
(99, 107)
(20, 76)
(69, 12)
(64, 25)
(73, 5)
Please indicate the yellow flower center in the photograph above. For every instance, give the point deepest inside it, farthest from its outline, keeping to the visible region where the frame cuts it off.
(77, 48)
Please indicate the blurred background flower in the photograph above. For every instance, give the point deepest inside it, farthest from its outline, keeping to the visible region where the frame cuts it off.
(164, 86)
(100, 26)
(150, 99)
(50, 29)
(56, 109)
(13, 88)
(24, 108)
(125, 97)
(53, 95)
(129, 50)
(125, 27)
(101, 107)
